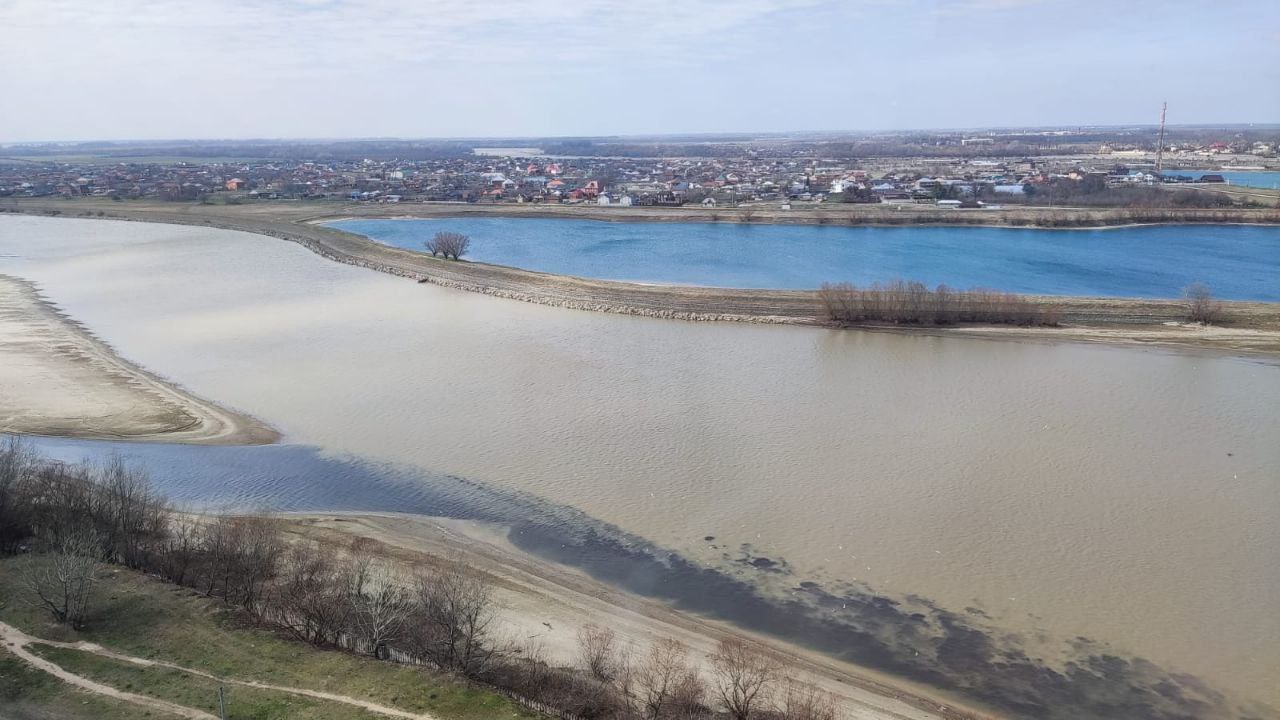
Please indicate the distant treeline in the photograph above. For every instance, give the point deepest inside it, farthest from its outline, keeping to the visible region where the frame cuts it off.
(439, 613)
(912, 303)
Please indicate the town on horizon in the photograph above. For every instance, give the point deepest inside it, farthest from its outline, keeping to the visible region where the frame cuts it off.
(1118, 167)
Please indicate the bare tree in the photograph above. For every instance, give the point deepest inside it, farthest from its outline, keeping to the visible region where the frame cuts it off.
(380, 609)
(312, 600)
(453, 619)
(667, 683)
(17, 463)
(360, 562)
(596, 651)
(132, 517)
(625, 680)
(179, 551)
(1201, 307)
(743, 677)
(448, 244)
(63, 583)
(240, 555)
(804, 701)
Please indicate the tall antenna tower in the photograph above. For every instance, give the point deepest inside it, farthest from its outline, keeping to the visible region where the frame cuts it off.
(1160, 143)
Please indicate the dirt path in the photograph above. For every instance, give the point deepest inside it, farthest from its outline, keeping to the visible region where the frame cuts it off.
(16, 641)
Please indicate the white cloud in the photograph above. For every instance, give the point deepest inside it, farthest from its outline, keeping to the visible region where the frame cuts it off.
(148, 68)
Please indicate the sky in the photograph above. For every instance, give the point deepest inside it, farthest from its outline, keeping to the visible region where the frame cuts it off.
(165, 69)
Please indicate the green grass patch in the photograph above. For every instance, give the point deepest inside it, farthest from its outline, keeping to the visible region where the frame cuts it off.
(197, 692)
(30, 694)
(142, 616)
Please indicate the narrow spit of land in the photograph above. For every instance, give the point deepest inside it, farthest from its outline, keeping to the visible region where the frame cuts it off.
(1247, 328)
(58, 379)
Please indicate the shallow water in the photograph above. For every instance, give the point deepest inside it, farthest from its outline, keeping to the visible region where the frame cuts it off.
(1037, 492)
(1238, 262)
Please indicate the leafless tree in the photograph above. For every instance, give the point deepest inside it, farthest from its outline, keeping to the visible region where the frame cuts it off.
(132, 516)
(449, 244)
(1201, 307)
(240, 555)
(380, 609)
(453, 619)
(804, 701)
(360, 562)
(743, 677)
(668, 685)
(596, 651)
(17, 463)
(311, 600)
(625, 680)
(179, 550)
(63, 583)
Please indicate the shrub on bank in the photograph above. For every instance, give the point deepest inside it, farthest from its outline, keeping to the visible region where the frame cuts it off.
(903, 302)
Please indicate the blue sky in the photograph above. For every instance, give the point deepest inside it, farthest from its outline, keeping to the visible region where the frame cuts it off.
(145, 69)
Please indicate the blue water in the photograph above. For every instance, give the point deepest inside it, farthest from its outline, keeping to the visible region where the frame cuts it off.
(1250, 178)
(1237, 261)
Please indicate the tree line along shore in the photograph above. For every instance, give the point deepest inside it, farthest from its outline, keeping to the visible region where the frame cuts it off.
(1240, 327)
(63, 527)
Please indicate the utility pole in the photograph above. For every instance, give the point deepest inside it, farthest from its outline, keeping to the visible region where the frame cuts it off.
(1160, 144)
(222, 704)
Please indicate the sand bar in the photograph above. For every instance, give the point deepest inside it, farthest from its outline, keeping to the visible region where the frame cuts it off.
(58, 379)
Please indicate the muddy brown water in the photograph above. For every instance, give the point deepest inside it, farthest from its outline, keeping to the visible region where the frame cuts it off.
(1043, 493)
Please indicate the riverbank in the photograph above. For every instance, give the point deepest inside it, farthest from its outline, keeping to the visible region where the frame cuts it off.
(58, 379)
(545, 604)
(1247, 327)
(975, 463)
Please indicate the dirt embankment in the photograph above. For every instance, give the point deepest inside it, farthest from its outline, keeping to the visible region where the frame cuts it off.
(1247, 327)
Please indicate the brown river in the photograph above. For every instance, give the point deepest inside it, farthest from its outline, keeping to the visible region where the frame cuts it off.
(1045, 493)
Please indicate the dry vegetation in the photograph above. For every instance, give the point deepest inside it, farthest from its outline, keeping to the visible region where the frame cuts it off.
(1201, 307)
(448, 244)
(912, 303)
(441, 615)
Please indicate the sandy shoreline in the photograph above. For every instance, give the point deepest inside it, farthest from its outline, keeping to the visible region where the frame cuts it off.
(544, 604)
(1252, 328)
(551, 593)
(57, 379)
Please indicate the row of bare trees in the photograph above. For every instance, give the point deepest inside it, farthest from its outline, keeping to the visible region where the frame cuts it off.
(443, 614)
(905, 302)
(739, 680)
(448, 244)
(80, 517)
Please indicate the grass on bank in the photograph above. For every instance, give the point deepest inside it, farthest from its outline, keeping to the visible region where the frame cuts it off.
(193, 691)
(30, 694)
(142, 616)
